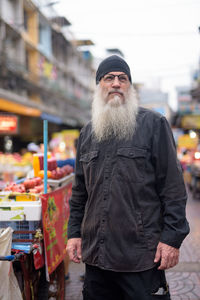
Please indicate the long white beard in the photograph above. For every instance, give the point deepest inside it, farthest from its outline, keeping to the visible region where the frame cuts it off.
(114, 118)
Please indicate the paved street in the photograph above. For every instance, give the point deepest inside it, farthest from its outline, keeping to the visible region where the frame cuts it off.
(74, 286)
(184, 279)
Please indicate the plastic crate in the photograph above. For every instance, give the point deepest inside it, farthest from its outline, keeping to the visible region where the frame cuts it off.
(20, 210)
(21, 225)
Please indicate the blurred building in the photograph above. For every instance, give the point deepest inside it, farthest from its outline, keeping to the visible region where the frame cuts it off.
(154, 99)
(188, 113)
(43, 75)
(195, 90)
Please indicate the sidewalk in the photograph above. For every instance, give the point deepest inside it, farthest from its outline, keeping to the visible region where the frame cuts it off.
(73, 288)
(184, 279)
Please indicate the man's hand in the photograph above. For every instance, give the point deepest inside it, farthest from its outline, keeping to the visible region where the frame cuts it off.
(167, 255)
(74, 249)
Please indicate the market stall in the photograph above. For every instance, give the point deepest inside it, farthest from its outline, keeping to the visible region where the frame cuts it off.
(37, 210)
(189, 156)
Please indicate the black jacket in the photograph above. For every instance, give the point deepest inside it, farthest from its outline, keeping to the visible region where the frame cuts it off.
(127, 196)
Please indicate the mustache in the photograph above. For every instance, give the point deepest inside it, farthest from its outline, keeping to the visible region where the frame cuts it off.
(115, 91)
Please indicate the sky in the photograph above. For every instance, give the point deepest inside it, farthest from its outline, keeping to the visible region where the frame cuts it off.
(159, 38)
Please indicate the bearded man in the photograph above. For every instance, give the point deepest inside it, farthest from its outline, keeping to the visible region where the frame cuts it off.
(127, 211)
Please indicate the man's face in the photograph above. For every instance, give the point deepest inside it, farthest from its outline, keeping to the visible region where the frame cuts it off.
(115, 84)
(114, 107)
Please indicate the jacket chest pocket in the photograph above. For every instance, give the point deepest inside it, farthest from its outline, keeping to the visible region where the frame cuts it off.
(131, 164)
(89, 161)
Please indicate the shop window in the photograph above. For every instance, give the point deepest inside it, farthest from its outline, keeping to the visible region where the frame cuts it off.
(25, 20)
(27, 60)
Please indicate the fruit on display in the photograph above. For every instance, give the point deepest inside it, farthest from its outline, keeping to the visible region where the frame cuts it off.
(53, 171)
(14, 165)
(68, 169)
(61, 172)
(41, 174)
(37, 189)
(15, 159)
(18, 188)
(33, 185)
(57, 173)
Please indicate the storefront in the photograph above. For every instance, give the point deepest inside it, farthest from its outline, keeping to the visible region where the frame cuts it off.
(16, 126)
(28, 126)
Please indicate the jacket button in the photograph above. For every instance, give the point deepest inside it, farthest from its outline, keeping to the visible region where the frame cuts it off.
(101, 241)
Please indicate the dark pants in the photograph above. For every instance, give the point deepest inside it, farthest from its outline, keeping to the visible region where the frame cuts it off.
(108, 285)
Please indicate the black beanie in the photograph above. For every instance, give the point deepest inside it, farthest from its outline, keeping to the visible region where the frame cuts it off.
(112, 63)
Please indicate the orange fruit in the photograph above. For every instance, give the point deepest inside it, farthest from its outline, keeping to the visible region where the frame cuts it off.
(41, 174)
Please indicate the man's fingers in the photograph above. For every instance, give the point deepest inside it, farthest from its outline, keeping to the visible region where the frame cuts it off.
(173, 261)
(79, 251)
(70, 250)
(158, 255)
(168, 262)
(163, 263)
(74, 249)
(76, 259)
(169, 256)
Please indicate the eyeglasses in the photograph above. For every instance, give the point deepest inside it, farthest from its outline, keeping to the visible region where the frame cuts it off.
(111, 77)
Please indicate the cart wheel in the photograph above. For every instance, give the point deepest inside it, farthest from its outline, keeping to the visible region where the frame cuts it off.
(55, 289)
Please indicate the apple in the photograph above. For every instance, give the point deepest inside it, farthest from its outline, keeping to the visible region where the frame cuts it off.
(39, 188)
(38, 180)
(54, 174)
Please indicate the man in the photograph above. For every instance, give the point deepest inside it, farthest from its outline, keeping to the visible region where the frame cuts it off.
(127, 212)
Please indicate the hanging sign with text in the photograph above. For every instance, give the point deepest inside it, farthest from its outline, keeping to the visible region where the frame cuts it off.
(55, 215)
(8, 124)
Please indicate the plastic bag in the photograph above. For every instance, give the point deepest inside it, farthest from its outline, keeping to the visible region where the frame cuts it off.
(9, 288)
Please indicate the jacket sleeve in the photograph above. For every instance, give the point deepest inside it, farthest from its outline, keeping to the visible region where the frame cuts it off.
(78, 199)
(169, 185)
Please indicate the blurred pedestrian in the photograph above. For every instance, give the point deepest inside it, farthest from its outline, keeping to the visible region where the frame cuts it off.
(127, 211)
(33, 148)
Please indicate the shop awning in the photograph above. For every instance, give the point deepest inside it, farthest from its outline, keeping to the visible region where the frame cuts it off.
(190, 122)
(51, 118)
(20, 109)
